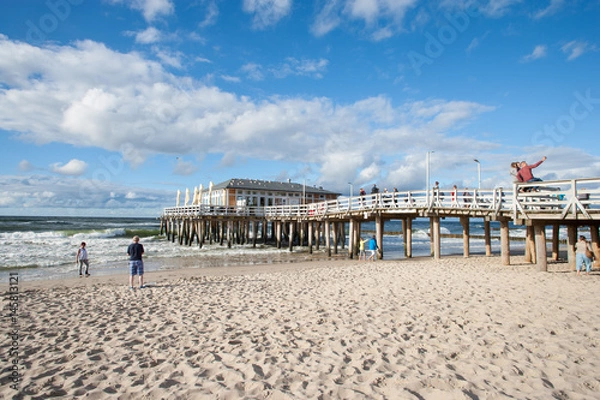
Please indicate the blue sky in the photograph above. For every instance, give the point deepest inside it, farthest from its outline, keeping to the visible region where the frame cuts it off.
(109, 107)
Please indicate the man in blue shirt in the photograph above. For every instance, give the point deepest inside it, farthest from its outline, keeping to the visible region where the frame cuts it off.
(136, 265)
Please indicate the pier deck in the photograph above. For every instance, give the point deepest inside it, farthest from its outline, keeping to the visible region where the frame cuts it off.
(571, 203)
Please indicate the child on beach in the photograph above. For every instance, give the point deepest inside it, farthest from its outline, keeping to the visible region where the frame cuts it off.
(362, 254)
(82, 259)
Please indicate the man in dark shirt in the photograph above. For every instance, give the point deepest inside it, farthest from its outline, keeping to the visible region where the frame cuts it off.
(136, 265)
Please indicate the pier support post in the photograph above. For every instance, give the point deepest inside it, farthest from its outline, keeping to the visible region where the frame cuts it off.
(435, 237)
(334, 234)
(229, 233)
(540, 246)
(327, 238)
(318, 236)
(310, 237)
(379, 228)
(291, 236)
(555, 243)
(464, 221)
(408, 238)
(487, 238)
(201, 228)
(278, 233)
(571, 241)
(594, 240)
(351, 238)
(530, 244)
(504, 242)
(254, 232)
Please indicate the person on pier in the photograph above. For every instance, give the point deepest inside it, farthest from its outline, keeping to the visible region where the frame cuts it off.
(525, 174)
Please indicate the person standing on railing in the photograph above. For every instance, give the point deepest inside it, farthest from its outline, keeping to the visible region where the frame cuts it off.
(583, 251)
(525, 174)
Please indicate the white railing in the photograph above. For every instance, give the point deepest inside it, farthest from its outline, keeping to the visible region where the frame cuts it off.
(560, 197)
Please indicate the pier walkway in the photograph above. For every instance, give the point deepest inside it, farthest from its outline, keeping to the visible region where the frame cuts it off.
(571, 203)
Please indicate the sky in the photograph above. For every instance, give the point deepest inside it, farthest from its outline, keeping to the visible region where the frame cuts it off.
(110, 107)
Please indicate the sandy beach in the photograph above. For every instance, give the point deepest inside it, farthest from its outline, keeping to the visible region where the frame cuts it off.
(409, 329)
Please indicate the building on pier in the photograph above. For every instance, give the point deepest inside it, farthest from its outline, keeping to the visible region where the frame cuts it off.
(259, 193)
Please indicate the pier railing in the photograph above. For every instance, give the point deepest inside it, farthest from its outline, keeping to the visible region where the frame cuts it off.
(558, 199)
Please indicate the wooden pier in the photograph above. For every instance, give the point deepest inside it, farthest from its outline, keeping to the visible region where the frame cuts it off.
(562, 203)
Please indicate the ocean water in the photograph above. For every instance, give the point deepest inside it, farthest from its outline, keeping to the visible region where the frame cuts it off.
(46, 247)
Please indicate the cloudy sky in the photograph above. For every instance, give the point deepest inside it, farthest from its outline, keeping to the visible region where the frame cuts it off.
(109, 107)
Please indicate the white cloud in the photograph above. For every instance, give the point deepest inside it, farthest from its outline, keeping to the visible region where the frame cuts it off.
(131, 105)
(212, 13)
(149, 35)
(327, 19)
(62, 193)
(150, 9)
(538, 52)
(25, 165)
(253, 71)
(490, 8)
(293, 66)
(553, 8)
(184, 168)
(476, 42)
(382, 18)
(575, 49)
(73, 168)
(267, 12)
(229, 78)
(172, 59)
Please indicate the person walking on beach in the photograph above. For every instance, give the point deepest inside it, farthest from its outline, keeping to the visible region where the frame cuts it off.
(82, 259)
(372, 248)
(582, 247)
(136, 265)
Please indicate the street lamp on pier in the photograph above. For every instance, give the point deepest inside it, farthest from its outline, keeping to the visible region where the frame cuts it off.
(478, 173)
(427, 162)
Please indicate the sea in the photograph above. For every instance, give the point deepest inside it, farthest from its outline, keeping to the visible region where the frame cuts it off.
(45, 247)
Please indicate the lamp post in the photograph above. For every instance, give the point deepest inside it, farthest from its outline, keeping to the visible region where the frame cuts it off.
(478, 173)
(304, 192)
(427, 161)
(351, 194)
